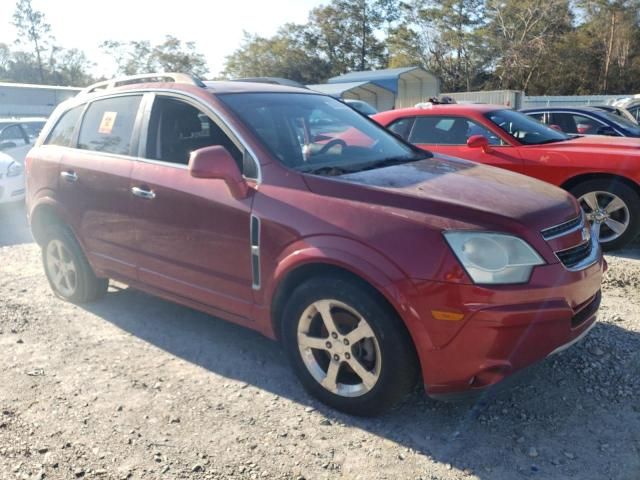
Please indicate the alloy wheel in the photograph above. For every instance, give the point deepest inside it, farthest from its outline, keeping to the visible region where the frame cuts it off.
(339, 348)
(61, 268)
(608, 211)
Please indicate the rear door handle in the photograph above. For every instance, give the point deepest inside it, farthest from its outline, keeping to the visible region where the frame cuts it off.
(69, 176)
(142, 193)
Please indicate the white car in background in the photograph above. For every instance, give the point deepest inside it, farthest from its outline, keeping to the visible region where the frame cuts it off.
(11, 179)
(17, 136)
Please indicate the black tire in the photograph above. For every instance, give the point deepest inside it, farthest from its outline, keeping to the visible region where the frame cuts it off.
(88, 287)
(627, 194)
(398, 370)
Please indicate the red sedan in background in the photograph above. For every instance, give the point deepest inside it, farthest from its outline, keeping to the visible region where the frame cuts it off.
(602, 172)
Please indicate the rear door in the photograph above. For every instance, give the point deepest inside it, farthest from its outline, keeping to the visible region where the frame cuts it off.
(192, 234)
(94, 183)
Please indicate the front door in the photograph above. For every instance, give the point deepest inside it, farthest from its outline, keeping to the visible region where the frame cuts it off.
(449, 135)
(192, 234)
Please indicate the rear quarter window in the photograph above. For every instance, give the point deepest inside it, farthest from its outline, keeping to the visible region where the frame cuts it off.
(108, 125)
(62, 133)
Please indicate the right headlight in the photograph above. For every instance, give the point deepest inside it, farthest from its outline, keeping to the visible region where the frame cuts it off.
(493, 258)
(14, 169)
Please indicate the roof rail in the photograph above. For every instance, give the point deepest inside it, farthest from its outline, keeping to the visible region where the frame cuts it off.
(143, 78)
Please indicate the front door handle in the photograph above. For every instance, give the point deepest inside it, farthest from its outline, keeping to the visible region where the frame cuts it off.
(69, 176)
(142, 193)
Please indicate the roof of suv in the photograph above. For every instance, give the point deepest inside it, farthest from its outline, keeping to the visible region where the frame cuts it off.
(211, 86)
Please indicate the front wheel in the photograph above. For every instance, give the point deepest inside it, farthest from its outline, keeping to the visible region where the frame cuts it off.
(347, 347)
(612, 205)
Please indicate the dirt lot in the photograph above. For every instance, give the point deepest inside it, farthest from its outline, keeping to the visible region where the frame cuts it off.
(136, 387)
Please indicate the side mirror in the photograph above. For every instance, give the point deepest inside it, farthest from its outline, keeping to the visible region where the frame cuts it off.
(7, 145)
(479, 141)
(217, 162)
(556, 127)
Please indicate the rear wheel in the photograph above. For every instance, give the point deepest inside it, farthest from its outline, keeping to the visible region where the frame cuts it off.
(347, 347)
(614, 207)
(70, 275)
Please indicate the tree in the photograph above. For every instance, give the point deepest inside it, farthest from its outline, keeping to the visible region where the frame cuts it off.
(170, 56)
(32, 27)
(454, 54)
(344, 33)
(287, 54)
(612, 30)
(520, 35)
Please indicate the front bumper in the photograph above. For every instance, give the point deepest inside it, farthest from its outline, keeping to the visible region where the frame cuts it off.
(503, 329)
(12, 189)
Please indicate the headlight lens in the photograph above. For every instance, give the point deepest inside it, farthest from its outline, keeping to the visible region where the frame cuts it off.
(494, 258)
(14, 169)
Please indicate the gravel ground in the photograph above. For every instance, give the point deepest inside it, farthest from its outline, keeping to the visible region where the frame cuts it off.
(134, 387)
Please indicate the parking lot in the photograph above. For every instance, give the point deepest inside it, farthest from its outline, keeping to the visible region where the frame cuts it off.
(136, 387)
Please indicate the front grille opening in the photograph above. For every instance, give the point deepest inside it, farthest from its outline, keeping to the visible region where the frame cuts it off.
(553, 232)
(587, 311)
(573, 256)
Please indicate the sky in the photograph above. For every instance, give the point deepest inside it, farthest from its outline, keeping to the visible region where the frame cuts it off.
(216, 26)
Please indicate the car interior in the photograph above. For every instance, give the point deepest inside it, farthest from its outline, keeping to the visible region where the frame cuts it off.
(176, 129)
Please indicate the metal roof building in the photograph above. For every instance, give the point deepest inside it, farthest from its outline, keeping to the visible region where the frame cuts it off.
(375, 95)
(410, 85)
(21, 99)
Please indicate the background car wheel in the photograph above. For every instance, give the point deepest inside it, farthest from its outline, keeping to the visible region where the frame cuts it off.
(69, 274)
(614, 206)
(347, 346)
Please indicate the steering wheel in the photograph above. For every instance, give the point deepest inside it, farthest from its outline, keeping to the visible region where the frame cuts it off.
(330, 144)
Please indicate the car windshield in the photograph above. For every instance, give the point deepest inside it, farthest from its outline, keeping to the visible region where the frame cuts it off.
(318, 134)
(621, 121)
(525, 129)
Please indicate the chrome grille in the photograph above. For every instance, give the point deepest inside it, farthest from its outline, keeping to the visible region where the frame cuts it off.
(564, 228)
(574, 255)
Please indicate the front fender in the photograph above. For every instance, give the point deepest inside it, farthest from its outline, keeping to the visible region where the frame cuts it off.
(368, 264)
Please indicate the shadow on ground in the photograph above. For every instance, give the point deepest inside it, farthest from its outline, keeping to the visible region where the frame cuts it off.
(573, 408)
(14, 228)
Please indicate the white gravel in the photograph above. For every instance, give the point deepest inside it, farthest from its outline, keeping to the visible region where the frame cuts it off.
(136, 387)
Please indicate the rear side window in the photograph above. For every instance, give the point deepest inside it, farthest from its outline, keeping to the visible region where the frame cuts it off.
(108, 125)
(62, 133)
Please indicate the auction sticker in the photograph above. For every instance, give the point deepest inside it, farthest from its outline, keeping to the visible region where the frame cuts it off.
(108, 120)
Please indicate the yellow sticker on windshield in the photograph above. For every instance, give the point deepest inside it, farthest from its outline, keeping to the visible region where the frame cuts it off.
(107, 123)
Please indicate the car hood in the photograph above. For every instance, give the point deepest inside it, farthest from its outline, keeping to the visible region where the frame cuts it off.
(590, 142)
(458, 190)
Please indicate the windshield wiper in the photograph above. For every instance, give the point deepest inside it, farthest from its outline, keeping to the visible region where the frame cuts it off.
(388, 162)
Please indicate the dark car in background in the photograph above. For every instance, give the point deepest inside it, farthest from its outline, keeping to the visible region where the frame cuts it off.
(584, 121)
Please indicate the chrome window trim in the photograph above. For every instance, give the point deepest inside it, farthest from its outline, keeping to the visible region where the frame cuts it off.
(216, 114)
(235, 137)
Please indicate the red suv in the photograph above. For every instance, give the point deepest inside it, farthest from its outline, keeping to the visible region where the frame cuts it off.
(374, 262)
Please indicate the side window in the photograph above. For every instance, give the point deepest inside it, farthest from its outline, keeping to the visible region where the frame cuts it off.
(62, 133)
(438, 130)
(539, 116)
(401, 127)
(13, 134)
(177, 128)
(564, 121)
(108, 125)
(587, 125)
